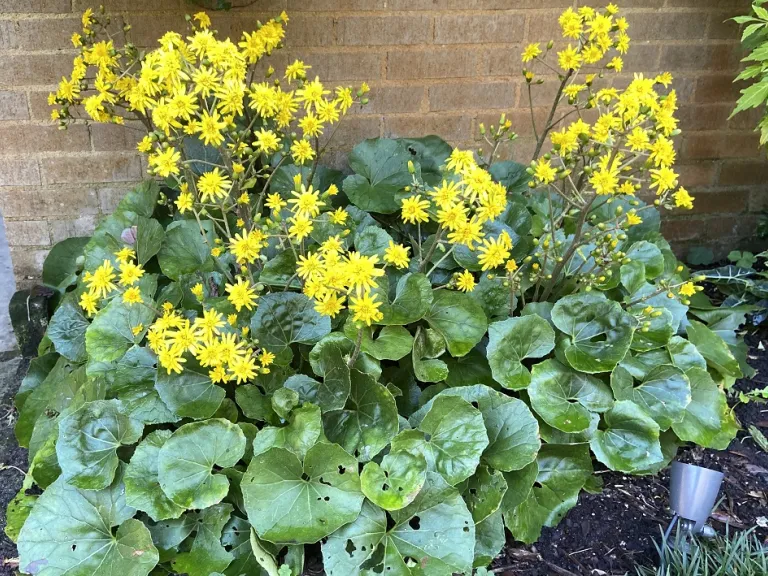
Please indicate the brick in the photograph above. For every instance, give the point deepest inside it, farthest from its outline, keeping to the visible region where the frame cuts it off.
(452, 128)
(112, 137)
(33, 69)
(392, 99)
(39, 109)
(666, 25)
(521, 121)
(35, 202)
(700, 146)
(309, 31)
(13, 106)
(746, 120)
(543, 27)
(27, 263)
(437, 63)
(758, 200)
(345, 66)
(21, 172)
(109, 196)
(704, 4)
(716, 88)
(381, 30)
(94, 168)
(692, 56)
(352, 130)
(134, 5)
(706, 117)
(475, 96)
(35, 6)
(335, 5)
(38, 33)
(27, 233)
(501, 61)
(147, 29)
(475, 4)
(736, 145)
(32, 138)
(721, 27)
(746, 173)
(63, 229)
(720, 202)
(479, 28)
(697, 175)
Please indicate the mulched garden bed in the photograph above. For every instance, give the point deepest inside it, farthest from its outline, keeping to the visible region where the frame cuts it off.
(605, 534)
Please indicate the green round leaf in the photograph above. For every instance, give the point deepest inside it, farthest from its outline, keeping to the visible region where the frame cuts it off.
(599, 331)
(425, 367)
(707, 420)
(70, 531)
(451, 436)
(664, 393)
(650, 256)
(381, 170)
(658, 333)
(714, 349)
(458, 319)
(630, 440)
(283, 318)
(18, 510)
(186, 461)
(367, 422)
(435, 532)
(206, 554)
(67, 330)
(110, 335)
(190, 394)
(142, 487)
(395, 483)
(283, 401)
(298, 436)
(329, 360)
(519, 485)
(685, 355)
(254, 403)
(391, 343)
(88, 443)
(372, 241)
(511, 341)
(566, 399)
(413, 297)
(149, 239)
(288, 501)
(489, 539)
(60, 266)
(184, 250)
(483, 492)
(430, 152)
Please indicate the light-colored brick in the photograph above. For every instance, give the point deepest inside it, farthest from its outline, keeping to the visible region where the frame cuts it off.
(393, 99)
(474, 96)
(101, 168)
(34, 202)
(35, 6)
(434, 63)
(19, 172)
(479, 28)
(38, 33)
(31, 138)
(34, 69)
(27, 233)
(379, 30)
(27, 263)
(62, 229)
(13, 106)
(453, 128)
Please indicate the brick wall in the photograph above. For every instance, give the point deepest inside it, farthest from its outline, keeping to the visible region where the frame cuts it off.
(435, 66)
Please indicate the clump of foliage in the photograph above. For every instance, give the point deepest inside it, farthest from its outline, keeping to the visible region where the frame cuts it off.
(398, 363)
(754, 38)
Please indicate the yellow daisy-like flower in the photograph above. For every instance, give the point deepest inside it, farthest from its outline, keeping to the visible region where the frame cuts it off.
(465, 281)
(544, 172)
(493, 253)
(397, 255)
(297, 70)
(531, 51)
(166, 162)
(213, 185)
(688, 289)
(365, 309)
(241, 294)
(330, 304)
(683, 199)
(132, 296)
(266, 141)
(569, 59)
(138, 329)
(275, 202)
(306, 202)
(197, 290)
(338, 216)
(300, 228)
(203, 19)
(414, 209)
(302, 151)
(101, 281)
(89, 302)
(633, 219)
(125, 254)
(210, 127)
(130, 273)
(663, 179)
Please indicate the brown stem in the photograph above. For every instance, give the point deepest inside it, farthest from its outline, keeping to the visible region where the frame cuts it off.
(548, 125)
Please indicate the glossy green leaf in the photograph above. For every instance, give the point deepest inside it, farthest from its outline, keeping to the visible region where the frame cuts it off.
(302, 432)
(190, 394)
(185, 466)
(630, 440)
(599, 331)
(451, 436)
(490, 538)
(149, 239)
(184, 250)
(142, 487)
(85, 532)
(286, 317)
(707, 420)
(294, 502)
(664, 393)
(430, 152)
(206, 554)
(110, 335)
(714, 349)
(396, 482)
(425, 367)
(60, 266)
(483, 492)
(329, 360)
(434, 534)
(381, 170)
(67, 330)
(283, 401)
(656, 335)
(88, 443)
(413, 297)
(513, 340)
(368, 420)
(372, 241)
(18, 509)
(566, 399)
(253, 402)
(459, 320)
(685, 355)
(390, 343)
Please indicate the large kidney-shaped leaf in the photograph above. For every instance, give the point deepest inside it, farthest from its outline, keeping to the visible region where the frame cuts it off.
(67, 331)
(599, 331)
(396, 482)
(413, 297)
(483, 492)
(367, 422)
(302, 432)
(459, 319)
(70, 532)
(190, 394)
(60, 266)
(707, 420)
(110, 335)
(430, 152)
(149, 239)
(287, 317)
(630, 440)
(381, 170)
(184, 250)
(142, 487)
(300, 503)
(714, 349)
(511, 341)
(391, 342)
(566, 399)
(433, 536)
(663, 393)
(451, 436)
(513, 432)
(88, 443)
(206, 555)
(186, 461)
(562, 473)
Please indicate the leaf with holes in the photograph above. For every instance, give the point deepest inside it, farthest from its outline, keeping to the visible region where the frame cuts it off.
(67, 330)
(291, 501)
(186, 462)
(483, 492)
(566, 399)
(513, 340)
(206, 554)
(435, 534)
(396, 482)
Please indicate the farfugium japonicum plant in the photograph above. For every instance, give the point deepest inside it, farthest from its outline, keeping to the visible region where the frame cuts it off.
(257, 352)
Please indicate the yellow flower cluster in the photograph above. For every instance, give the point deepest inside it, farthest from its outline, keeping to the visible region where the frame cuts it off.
(101, 282)
(213, 341)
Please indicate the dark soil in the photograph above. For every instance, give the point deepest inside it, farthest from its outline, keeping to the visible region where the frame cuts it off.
(611, 532)
(604, 535)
